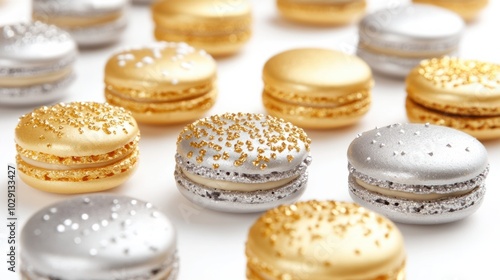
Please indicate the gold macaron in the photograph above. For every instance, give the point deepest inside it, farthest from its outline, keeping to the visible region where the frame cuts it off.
(459, 93)
(219, 28)
(467, 9)
(164, 83)
(317, 88)
(322, 12)
(315, 240)
(77, 147)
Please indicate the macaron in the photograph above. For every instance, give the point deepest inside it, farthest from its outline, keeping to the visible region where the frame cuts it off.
(77, 147)
(394, 40)
(317, 88)
(322, 12)
(319, 240)
(418, 173)
(467, 9)
(36, 63)
(99, 237)
(242, 162)
(459, 93)
(163, 83)
(90, 22)
(219, 28)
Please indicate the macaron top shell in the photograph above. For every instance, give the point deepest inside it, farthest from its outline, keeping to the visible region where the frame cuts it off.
(76, 129)
(325, 240)
(244, 143)
(418, 154)
(410, 28)
(34, 45)
(78, 8)
(472, 86)
(318, 72)
(163, 67)
(99, 236)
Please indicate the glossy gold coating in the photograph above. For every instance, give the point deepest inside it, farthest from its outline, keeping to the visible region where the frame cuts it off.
(467, 9)
(317, 88)
(322, 241)
(221, 28)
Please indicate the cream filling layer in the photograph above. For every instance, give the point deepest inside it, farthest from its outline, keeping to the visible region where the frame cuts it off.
(234, 186)
(407, 195)
(53, 166)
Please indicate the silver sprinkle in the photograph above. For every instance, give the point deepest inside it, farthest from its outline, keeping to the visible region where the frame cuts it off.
(46, 217)
(61, 228)
(86, 200)
(67, 222)
(403, 153)
(378, 134)
(77, 240)
(148, 60)
(368, 158)
(427, 124)
(126, 223)
(132, 212)
(95, 227)
(122, 63)
(174, 81)
(149, 205)
(467, 149)
(53, 210)
(104, 223)
(93, 252)
(373, 142)
(37, 232)
(155, 214)
(75, 226)
(115, 201)
(126, 251)
(395, 153)
(431, 154)
(85, 216)
(187, 65)
(416, 133)
(381, 145)
(139, 65)
(400, 142)
(402, 131)
(133, 202)
(114, 216)
(359, 135)
(448, 145)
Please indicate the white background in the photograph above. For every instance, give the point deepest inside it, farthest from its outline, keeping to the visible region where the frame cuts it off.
(211, 244)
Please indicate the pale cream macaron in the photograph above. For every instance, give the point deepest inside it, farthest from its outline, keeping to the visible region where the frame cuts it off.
(219, 27)
(467, 9)
(460, 93)
(317, 88)
(77, 147)
(163, 83)
(322, 12)
(328, 240)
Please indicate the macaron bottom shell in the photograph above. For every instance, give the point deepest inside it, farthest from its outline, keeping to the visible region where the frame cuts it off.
(165, 112)
(481, 127)
(468, 9)
(401, 210)
(317, 117)
(89, 179)
(238, 201)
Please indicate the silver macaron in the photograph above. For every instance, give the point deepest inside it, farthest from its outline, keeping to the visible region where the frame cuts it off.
(416, 173)
(394, 40)
(90, 22)
(99, 237)
(242, 162)
(36, 63)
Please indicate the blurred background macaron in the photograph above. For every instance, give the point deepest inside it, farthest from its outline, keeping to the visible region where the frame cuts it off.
(418, 173)
(317, 88)
(460, 93)
(163, 83)
(77, 147)
(242, 162)
(99, 237)
(322, 12)
(90, 22)
(36, 63)
(467, 9)
(313, 240)
(394, 40)
(219, 28)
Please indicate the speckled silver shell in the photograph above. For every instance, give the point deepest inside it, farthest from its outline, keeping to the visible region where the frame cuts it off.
(29, 50)
(418, 159)
(142, 2)
(87, 36)
(394, 40)
(240, 202)
(99, 237)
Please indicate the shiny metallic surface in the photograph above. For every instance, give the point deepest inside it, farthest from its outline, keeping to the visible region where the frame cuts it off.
(90, 22)
(240, 202)
(100, 236)
(404, 34)
(418, 212)
(418, 154)
(36, 63)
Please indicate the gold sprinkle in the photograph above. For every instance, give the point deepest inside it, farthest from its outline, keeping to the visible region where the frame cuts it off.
(290, 158)
(215, 165)
(190, 154)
